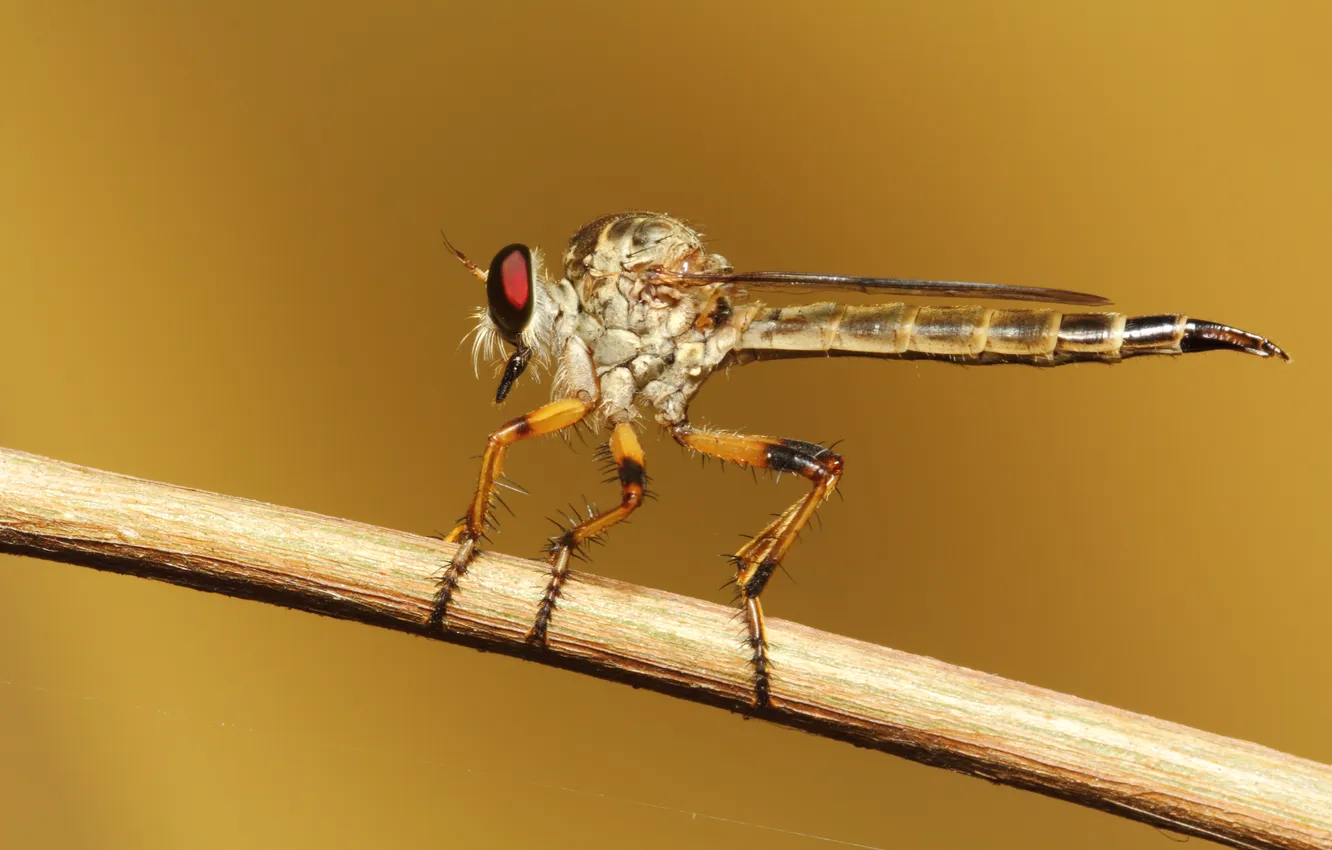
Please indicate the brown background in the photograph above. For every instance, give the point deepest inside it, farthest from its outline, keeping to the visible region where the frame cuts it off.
(221, 267)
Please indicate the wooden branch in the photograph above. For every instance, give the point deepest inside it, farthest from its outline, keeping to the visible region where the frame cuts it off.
(1139, 767)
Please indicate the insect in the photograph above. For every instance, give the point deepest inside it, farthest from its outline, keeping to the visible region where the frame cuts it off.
(642, 314)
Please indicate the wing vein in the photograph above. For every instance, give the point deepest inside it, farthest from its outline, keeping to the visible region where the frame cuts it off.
(806, 281)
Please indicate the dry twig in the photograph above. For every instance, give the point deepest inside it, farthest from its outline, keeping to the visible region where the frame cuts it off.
(1146, 769)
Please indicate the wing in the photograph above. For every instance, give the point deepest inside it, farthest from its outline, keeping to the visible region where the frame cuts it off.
(805, 282)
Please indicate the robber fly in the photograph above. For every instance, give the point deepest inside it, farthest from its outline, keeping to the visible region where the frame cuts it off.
(643, 314)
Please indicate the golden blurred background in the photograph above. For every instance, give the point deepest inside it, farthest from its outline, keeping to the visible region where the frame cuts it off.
(221, 267)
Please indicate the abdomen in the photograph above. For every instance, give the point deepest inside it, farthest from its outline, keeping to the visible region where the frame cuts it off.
(982, 335)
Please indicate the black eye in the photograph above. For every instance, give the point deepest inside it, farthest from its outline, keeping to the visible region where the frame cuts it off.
(509, 290)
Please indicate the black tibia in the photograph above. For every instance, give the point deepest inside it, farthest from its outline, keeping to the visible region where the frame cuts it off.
(759, 558)
(797, 456)
(626, 457)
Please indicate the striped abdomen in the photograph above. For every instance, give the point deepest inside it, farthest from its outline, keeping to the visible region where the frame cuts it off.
(984, 335)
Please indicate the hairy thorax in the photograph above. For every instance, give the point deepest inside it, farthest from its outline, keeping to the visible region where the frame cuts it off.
(651, 340)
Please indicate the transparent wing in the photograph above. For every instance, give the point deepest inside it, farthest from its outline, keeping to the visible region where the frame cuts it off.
(803, 281)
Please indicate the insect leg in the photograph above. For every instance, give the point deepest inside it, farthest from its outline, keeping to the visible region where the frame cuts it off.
(544, 420)
(757, 559)
(627, 456)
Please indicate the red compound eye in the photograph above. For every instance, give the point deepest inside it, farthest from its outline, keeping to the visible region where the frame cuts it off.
(509, 290)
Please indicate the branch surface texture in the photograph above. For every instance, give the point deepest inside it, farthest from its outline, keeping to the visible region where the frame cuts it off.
(1149, 770)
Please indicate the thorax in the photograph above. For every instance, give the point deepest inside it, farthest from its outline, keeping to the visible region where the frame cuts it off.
(650, 341)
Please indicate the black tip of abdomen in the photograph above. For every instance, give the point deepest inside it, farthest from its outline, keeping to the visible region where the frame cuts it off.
(1210, 336)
